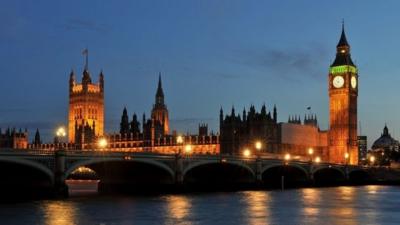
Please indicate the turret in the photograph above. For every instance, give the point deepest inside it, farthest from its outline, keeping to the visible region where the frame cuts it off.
(124, 125)
(275, 114)
(37, 140)
(221, 117)
(101, 81)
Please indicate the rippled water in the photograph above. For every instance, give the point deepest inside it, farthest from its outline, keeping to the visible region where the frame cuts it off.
(338, 205)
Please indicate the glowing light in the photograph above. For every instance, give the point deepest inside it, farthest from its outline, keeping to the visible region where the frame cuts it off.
(346, 155)
(287, 157)
(61, 132)
(102, 143)
(179, 139)
(343, 69)
(246, 153)
(317, 159)
(258, 145)
(372, 159)
(310, 151)
(188, 149)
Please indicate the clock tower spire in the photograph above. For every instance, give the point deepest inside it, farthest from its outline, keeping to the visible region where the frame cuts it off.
(343, 92)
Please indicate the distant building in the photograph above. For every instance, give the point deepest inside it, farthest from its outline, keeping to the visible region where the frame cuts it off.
(362, 149)
(385, 142)
(154, 136)
(14, 139)
(239, 132)
(86, 108)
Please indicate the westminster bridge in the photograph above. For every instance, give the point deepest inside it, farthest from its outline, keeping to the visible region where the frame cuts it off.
(53, 168)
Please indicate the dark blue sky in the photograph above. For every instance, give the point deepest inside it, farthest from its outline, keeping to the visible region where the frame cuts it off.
(210, 54)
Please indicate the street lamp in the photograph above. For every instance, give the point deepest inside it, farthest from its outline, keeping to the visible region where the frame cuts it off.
(246, 153)
(317, 159)
(372, 160)
(188, 149)
(287, 157)
(258, 145)
(310, 152)
(60, 133)
(179, 140)
(102, 143)
(346, 157)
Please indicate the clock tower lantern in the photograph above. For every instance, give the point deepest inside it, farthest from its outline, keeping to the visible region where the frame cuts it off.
(343, 92)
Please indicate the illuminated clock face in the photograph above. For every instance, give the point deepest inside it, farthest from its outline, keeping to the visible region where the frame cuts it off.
(338, 82)
(353, 82)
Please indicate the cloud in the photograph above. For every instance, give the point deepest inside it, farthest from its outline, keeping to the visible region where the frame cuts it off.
(286, 63)
(79, 24)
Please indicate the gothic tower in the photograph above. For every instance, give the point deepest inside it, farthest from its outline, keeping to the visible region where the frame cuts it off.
(159, 113)
(343, 92)
(86, 106)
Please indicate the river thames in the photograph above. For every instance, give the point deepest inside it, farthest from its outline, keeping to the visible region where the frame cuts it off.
(335, 205)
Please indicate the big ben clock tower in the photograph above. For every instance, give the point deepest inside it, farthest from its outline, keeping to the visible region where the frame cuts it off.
(343, 92)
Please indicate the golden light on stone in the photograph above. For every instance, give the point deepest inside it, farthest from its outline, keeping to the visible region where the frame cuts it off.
(179, 139)
(287, 157)
(346, 155)
(317, 159)
(310, 151)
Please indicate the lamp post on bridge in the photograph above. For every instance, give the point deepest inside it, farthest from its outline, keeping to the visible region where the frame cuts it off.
(178, 161)
(346, 158)
(286, 160)
(58, 139)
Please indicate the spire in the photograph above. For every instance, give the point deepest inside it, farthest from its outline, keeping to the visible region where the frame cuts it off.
(385, 130)
(343, 51)
(124, 125)
(37, 140)
(160, 92)
(343, 41)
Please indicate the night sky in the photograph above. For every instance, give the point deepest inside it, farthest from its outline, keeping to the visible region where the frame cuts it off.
(210, 53)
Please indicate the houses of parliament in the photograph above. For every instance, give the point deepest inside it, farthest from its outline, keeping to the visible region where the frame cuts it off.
(237, 131)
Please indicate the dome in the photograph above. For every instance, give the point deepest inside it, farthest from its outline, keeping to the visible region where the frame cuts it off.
(385, 141)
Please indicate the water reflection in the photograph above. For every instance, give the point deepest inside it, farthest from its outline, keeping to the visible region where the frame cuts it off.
(60, 213)
(178, 207)
(258, 210)
(311, 202)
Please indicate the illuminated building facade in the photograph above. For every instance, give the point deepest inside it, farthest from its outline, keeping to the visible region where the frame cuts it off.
(154, 136)
(86, 108)
(343, 92)
(14, 139)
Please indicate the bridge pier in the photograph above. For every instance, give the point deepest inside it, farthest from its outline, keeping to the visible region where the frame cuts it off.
(60, 187)
(178, 170)
(258, 171)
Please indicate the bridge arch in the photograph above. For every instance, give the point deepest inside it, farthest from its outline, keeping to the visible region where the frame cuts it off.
(158, 164)
(328, 167)
(294, 165)
(359, 175)
(42, 168)
(205, 162)
(326, 175)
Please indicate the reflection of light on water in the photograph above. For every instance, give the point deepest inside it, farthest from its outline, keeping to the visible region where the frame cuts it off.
(60, 213)
(347, 193)
(178, 206)
(311, 201)
(372, 189)
(258, 211)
